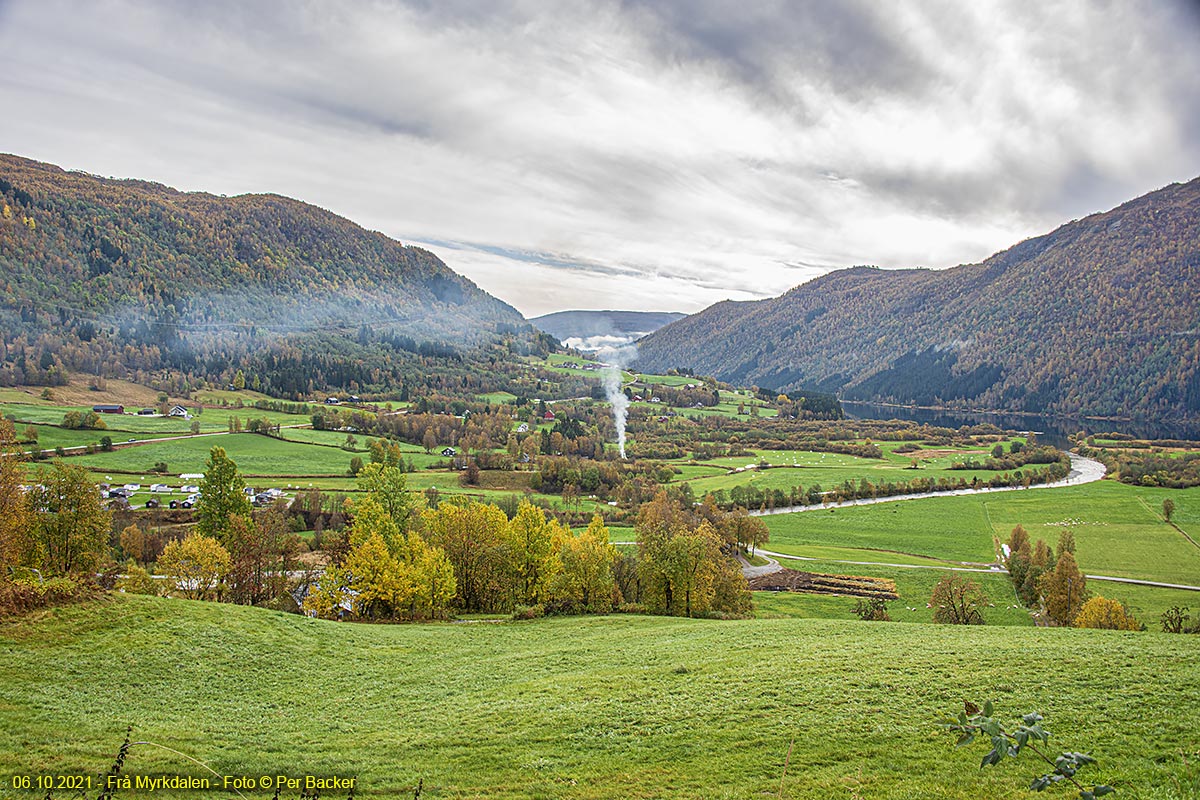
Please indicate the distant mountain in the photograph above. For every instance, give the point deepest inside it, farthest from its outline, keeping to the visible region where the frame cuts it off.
(111, 275)
(1100, 317)
(593, 330)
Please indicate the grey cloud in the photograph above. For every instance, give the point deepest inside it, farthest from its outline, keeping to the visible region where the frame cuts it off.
(715, 147)
(848, 45)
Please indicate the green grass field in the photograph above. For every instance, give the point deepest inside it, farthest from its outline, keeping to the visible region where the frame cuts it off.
(915, 586)
(1117, 528)
(668, 380)
(254, 454)
(211, 419)
(496, 398)
(50, 437)
(630, 707)
(806, 468)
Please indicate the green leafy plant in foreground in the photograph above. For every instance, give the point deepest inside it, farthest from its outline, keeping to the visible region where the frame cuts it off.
(973, 721)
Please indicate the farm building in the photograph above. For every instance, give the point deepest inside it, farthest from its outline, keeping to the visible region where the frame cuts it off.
(448, 451)
(108, 409)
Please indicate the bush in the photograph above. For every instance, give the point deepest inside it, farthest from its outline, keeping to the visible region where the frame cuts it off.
(529, 612)
(1110, 615)
(957, 601)
(873, 609)
(1174, 619)
(139, 581)
(26, 594)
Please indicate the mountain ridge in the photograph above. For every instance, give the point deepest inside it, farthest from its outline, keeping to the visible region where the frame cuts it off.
(1099, 316)
(109, 276)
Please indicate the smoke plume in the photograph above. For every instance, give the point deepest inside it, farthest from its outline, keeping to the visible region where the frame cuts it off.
(615, 359)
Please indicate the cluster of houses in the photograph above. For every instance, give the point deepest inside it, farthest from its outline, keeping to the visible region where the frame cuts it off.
(121, 494)
(589, 366)
(116, 408)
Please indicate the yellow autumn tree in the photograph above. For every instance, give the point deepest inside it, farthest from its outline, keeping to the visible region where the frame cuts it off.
(431, 578)
(474, 539)
(1064, 590)
(327, 596)
(196, 565)
(381, 583)
(387, 485)
(585, 577)
(693, 558)
(371, 518)
(133, 542)
(530, 538)
(16, 539)
(70, 527)
(1101, 612)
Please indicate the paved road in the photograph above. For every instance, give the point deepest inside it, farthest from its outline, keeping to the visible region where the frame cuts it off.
(1083, 470)
(751, 571)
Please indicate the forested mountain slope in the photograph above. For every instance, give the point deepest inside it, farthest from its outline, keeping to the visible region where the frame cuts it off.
(110, 274)
(1102, 316)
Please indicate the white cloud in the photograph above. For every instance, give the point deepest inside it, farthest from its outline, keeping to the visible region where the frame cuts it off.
(657, 156)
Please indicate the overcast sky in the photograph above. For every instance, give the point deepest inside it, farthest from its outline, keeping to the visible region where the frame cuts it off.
(637, 155)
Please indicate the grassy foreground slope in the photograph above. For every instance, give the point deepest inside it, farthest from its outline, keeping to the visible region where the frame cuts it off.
(585, 708)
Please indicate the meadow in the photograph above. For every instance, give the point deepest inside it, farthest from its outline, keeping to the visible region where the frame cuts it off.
(211, 420)
(255, 455)
(790, 468)
(617, 706)
(1118, 529)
